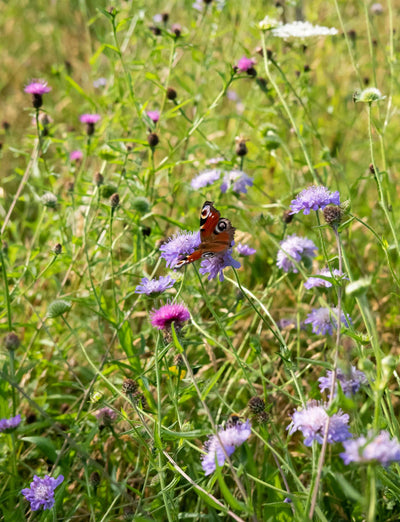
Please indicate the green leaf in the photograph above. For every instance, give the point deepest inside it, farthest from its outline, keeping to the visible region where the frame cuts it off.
(45, 445)
(226, 492)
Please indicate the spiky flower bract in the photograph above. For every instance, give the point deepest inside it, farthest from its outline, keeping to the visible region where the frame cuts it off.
(230, 438)
(294, 249)
(154, 286)
(163, 317)
(380, 448)
(311, 421)
(314, 198)
(41, 492)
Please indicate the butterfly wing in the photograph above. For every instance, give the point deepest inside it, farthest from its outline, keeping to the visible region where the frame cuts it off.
(216, 235)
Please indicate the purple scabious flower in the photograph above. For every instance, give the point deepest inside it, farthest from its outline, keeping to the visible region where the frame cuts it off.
(91, 119)
(294, 248)
(179, 245)
(106, 416)
(244, 64)
(230, 437)
(169, 313)
(100, 82)
(76, 155)
(154, 286)
(313, 198)
(215, 265)
(380, 448)
(153, 115)
(38, 88)
(350, 381)
(207, 177)
(41, 492)
(311, 421)
(245, 250)
(238, 180)
(324, 320)
(10, 424)
(315, 281)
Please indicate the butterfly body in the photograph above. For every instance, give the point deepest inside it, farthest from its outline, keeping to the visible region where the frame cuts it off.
(216, 235)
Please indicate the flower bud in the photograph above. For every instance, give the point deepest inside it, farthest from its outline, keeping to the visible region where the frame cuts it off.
(153, 139)
(58, 307)
(171, 93)
(114, 200)
(333, 216)
(11, 341)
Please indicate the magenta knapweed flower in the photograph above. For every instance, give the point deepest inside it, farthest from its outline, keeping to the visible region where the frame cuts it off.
(76, 155)
(38, 88)
(153, 115)
(244, 64)
(245, 250)
(106, 416)
(324, 320)
(380, 448)
(10, 424)
(215, 265)
(179, 245)
(294, 249)
(91, 119)
(238, 180)
(311, 421)
(41, 492)
(314, 198)
(207, 177)
(170, 313)
(230, 438)
(154, 286)
(350, 381)
(315, 281)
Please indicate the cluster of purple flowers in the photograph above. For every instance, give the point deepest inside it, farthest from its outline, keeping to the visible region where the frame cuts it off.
(228, 439)
(41, 492)
(235, 179)
(314, 198)
(315, 281)
(294, 249)
(350, 381)
(163, 317)
(380, 448)
(10, 424)
(324, 320)
(312, 420)
(155, 286)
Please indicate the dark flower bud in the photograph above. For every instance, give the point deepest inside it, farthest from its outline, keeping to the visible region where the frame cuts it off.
(352, 35)
(177, 30)
(155, 30)
(129, 147)
(95, 479)
(99, 179)
(171, 93)
(37, 100)
(251, 72)
(146, 231)
(165, 17)
(178, 361)
(262, 83)
(70, 186)
(129, 386)
(6, 126)
(241, 147)
(68, 67)
(112, 10)
(11, 341)
(287, 217)
(366, 80)
(30, 417)
(153, 139)
(307, 68)
(114, 200)
(57, 249)
(333, 216)
(207, 1)
(259, 50)
(256, 405)
(372, 168)
(4, 248)
(269, 54)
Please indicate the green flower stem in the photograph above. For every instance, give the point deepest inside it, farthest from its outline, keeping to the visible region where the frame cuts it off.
(117, 310)
(371, 493)
(287, 110)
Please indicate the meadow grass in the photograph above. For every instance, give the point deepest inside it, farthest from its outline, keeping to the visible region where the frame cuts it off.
(217, 391)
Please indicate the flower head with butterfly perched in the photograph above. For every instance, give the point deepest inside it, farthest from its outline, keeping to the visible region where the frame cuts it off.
(212, 245)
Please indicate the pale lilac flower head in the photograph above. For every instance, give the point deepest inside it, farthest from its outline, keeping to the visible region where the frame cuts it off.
(302, 30)
(244, 64)
(315, 281)
(41, 492)
(76, 155)
(100, 82)
(294, 248)
(90, 119)
(324, 320)
(106, 416)
(245, 250)
(169, 313)
(155, 286)
(207, 177)
(153, 115)
(215, 161)
(38, 88)
(314, 198)
(10, 424)
(215, 265)
(311, 421)
(231, 437)
(380, 448)
(238, 180)
(350, 381)
(179, 245)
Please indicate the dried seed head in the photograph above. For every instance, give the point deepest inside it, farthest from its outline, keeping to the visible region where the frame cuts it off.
(256, 405)
(95, 479)
(287, 217)
(333, 216)
(129, 386)
(11, 341)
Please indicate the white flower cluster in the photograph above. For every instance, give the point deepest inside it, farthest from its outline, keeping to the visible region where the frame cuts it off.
(302, 30)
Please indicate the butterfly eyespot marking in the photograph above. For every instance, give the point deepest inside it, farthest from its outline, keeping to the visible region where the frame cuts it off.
(205, 212)
(221, 226)
(207, 254)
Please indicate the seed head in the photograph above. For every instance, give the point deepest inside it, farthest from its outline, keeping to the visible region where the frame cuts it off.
(241, 147)
(153, 139)
(333, 216)
(171, 93)
(57, 249)
(114, 200)
(129, 386)
(11, 341)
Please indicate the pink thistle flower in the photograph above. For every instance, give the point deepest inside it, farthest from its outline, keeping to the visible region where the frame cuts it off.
(169, 313)
(38, 87)
(245, 64)
(90, 118)
(76, 155)
(153, 115)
